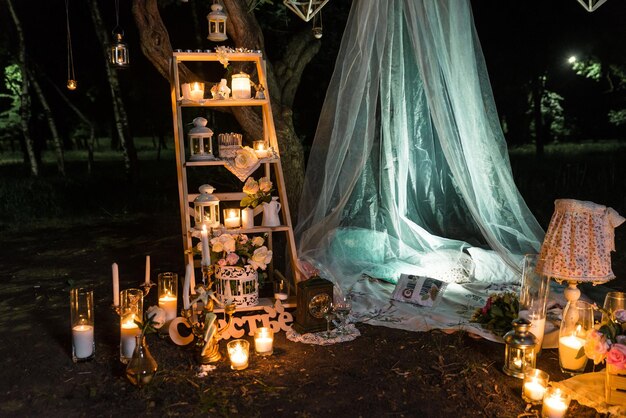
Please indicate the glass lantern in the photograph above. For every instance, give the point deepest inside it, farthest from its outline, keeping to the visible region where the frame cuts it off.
(217, 23)
(200, 141)
(519, 352)
(206, 208)
(118, 51)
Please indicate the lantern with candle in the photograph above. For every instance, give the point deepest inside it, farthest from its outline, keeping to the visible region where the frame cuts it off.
(519, 351)
(238, 352)
(131, 313)
(168, 294)
(82, 323)
(200, 145)
(206, 208)
(217, 23)
(241, 88)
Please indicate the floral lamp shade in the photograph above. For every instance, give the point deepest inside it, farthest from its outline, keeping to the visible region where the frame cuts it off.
(579, 241)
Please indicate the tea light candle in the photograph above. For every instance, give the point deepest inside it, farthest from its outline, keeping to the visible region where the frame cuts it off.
(232, 218)
(127, 337)
(555, 403)
(82, 339)
(535, 385)
(169, 304)
(260, 149)
(238, 354)
(263, 341)
(569, 347)
(534, 390)
(197, 92)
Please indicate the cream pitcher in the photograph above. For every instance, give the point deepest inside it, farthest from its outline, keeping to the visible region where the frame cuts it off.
(270, 213)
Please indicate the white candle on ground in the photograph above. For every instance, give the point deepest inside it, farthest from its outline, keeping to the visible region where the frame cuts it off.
(186, 285)
(239, 358)
(168, 303)
(127, 338)
(82, 339)
(206, 257)
(263, 344)
(534, 390)
(554, 406)
(569, 347)
(147, 270)
(116, 285)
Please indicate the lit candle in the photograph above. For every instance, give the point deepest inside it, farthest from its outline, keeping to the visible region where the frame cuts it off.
(169, 304)
(82, 339)
(260, 149)
(127, 336)
(263, 341)
(232, 219)
(535, 385)
(569, 347)
(534, 390)
(147, 270)
(555, 404)
(116, 285)
(241, 86)
(186, 286)
(238, 354)
(206, 257)
(197, 92)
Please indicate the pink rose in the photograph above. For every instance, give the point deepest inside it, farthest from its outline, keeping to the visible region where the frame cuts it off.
(617, 356)
(596, 346)
(221, 262)
(231, 259)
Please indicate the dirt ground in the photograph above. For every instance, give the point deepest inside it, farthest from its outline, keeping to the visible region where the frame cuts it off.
(385, 372)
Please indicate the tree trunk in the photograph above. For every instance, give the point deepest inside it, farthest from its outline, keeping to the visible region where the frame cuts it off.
(245, 31)
(24, 94)
(119, 111)
(58, 148)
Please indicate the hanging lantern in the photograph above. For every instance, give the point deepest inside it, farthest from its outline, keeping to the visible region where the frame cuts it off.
(217, 23)
(305, 9)
(591, 5)
(207, 208)
(200, 141)
(118, 51)
(72, 84)
(519, 352)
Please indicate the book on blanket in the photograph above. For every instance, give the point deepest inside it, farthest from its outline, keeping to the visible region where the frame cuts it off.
(419, 290)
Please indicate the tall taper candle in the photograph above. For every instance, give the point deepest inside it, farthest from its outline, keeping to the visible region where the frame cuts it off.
(116, 285)
(206, 257)
(186, 286)
(148, 270)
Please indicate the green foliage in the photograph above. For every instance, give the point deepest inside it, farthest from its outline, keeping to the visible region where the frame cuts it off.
(617, 117)
(590, 68)
(10, 117)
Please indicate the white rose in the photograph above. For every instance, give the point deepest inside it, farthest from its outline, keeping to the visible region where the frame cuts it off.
(265, 184)
(257, 241)
(251, 187)
(216, 245)
(159, 316)
(260, 258)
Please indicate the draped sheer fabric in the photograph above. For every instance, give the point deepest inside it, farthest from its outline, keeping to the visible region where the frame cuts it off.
(409, 167)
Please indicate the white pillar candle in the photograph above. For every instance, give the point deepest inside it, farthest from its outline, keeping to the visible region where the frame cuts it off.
(206, 257)
(247, 218)
(82, 340)
(147, 270)
(168, 303)
(263, 341)
(129, 330)
(186, 286)
(569, 347)
(116, 284)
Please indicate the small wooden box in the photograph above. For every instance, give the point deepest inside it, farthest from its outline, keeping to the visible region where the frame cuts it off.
(615, 385)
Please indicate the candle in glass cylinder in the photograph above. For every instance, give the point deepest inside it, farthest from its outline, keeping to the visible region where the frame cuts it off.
(263, 341)
(555, 403)
(232, 218)
(238, 354)
(569, 347)
(82, 340)
(260, 149)
(169, 304)
(128, 331)
(535, 385)
(168, 294)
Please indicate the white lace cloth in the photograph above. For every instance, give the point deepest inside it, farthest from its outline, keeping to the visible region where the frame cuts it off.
(318, 337)
(588, 390)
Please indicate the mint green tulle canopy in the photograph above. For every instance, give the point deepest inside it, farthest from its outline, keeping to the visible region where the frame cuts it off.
(409, 168)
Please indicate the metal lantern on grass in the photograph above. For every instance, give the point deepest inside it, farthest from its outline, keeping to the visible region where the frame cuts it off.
(217, 23)
(519, 352)
(207, 208)
(200, 141)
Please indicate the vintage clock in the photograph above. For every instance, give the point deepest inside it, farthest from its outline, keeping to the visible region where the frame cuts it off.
(314, 299)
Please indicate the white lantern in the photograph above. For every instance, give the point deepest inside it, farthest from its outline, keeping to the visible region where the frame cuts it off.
(207, 208)
(241, 86)
(200, 141)
(217, 23)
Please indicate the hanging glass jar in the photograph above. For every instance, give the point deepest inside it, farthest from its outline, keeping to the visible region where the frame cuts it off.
(200, 141)
(142, 366)
(520, 349)
(206, 208)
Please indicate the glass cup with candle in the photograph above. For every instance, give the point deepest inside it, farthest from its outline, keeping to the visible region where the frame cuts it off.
(264, 341)
(555, 403)
(533, 299)
(168, 294)
(82, 323)
(131, 313)
(535, 385)
(613, 301)
(576, 323)
(281, 289)
(260, 148)
(232, 218)
(238, 352)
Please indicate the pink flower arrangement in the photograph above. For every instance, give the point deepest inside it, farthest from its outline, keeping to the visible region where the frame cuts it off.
(239, 250)
(608, 341)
